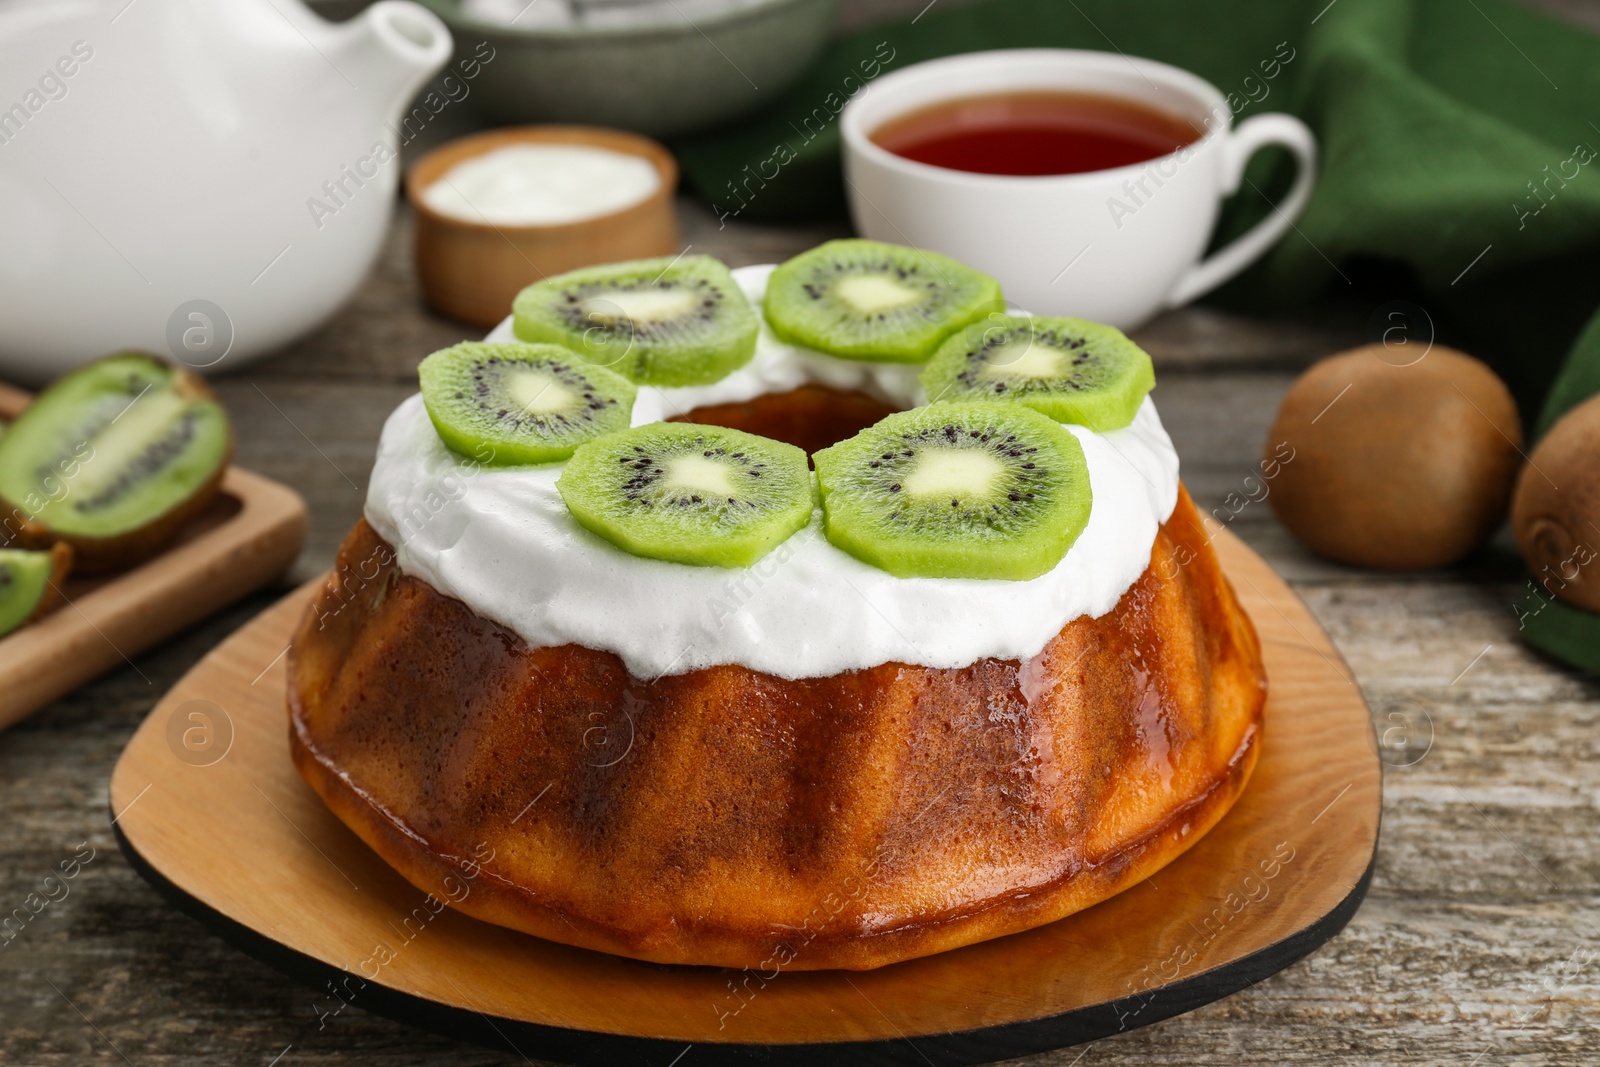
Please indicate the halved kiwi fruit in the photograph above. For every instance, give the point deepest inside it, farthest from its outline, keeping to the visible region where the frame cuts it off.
(30, 584)
(873, 301)
(113, 459)
(506, 404)
(974, 490)
(1071, 369)
(669, 322)
(703, 495)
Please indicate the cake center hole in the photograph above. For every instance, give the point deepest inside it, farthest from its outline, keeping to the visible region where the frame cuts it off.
(811, 417)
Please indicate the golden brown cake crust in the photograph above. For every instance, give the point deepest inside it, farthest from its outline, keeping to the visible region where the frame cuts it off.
(734, 818)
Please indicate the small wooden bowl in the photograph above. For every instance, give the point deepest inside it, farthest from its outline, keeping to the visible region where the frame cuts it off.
(472, 270)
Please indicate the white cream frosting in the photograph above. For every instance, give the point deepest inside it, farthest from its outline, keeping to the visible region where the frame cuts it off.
(501, 541)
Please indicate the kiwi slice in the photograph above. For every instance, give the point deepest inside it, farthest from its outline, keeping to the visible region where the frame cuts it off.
(114, 458)
(873, 301)
(30, 584)
(505, 404)
(961, 490)
(681, 321)
(1071, 369)
(678, 491)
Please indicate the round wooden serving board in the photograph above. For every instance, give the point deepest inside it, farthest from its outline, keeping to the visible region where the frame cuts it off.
(209, 809)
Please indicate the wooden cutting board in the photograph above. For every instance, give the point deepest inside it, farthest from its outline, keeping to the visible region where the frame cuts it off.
(250, 534)
(208, 807)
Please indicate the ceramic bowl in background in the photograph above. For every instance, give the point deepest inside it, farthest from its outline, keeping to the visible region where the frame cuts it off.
(660, 79)
(472, 270)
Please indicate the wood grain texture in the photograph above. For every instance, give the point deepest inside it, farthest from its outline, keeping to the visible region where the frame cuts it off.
(246, 538)
(1295, 846)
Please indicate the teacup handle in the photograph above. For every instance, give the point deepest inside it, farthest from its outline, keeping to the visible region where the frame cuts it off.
(1252, 134)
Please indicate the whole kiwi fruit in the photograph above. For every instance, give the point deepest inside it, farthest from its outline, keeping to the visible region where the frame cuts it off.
(1395, 467)
(1555, 513)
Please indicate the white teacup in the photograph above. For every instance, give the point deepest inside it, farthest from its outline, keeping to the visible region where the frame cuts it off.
(1115, 246)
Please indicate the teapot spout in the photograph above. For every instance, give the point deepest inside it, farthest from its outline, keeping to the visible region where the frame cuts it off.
(390, 51)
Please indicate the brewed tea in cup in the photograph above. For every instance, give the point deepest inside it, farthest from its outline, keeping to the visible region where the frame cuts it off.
(1087, 183)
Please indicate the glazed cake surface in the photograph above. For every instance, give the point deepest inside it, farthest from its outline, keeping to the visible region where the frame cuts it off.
(803, 764)
(723, 816)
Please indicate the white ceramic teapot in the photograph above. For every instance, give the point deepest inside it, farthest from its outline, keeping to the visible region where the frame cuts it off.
(207, 179)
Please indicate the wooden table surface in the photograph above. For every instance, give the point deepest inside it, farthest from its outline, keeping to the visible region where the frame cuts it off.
(1476, 944)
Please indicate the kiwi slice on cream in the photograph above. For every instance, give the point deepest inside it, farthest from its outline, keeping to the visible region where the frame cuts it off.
(872, 301)
(678, 491)
(506, 404)
(1071, 369)
(668, 322)
(959, 490)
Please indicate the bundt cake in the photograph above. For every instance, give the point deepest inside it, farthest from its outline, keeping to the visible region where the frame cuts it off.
(808, 761)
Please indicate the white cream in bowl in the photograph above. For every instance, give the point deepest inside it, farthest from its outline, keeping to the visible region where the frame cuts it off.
(542, 185)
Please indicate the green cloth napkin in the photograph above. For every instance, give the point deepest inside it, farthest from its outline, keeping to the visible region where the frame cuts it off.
(1460, 170)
